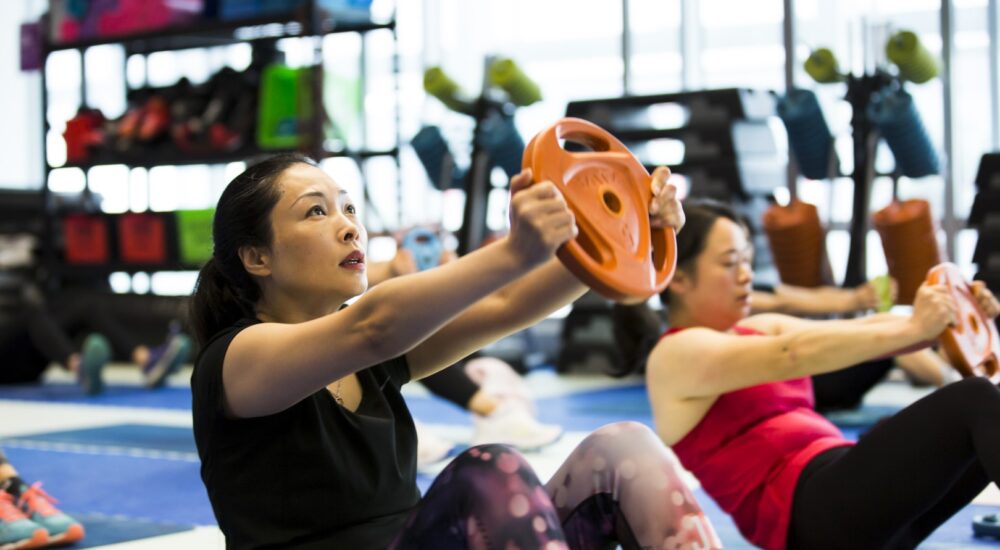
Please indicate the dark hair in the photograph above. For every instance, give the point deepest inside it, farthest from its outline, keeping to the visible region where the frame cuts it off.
(636, 328)
(225, 292)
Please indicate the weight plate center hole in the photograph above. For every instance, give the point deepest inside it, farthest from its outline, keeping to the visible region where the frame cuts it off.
(612, 202)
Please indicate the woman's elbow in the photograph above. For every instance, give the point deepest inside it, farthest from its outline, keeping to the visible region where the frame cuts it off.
(377, 328)
(787, 356)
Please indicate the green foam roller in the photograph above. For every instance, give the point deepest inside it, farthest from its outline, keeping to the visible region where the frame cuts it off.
(521, 89)
(822, 66)
(194, 235)
(441, 86)
(883, 289)
(915, 62)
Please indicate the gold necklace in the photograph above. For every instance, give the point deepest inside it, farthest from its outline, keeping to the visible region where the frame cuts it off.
(336, 393)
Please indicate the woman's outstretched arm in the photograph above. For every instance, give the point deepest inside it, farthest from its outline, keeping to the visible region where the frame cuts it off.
(270, 366)
(528, 300)
(701, 362)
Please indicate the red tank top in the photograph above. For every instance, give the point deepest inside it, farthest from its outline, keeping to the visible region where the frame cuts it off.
(750, 448)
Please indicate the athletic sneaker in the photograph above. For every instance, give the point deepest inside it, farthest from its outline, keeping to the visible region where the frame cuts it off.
(96, 353)
(497, 378)
(16, 530)
(37, 505)
(165, 359)
(514, 425)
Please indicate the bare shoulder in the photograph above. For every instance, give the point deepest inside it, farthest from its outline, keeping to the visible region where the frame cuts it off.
(675, 354)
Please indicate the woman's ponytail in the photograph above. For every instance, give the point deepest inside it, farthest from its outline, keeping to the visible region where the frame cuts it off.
(215, 305)
(637, 329)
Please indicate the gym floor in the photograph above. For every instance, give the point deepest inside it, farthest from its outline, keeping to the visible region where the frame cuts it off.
(124, 463)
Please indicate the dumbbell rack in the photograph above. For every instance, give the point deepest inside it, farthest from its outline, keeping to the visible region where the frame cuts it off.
(985, 218)
(262, 32)
(864, 138)
(477, 177)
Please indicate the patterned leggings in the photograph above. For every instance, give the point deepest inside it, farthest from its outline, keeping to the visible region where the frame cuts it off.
(619, 486)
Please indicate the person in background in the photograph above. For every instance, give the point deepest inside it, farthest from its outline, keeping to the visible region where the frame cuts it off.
(838, 390)
(846, 388)
(47, 334)
(731, 394)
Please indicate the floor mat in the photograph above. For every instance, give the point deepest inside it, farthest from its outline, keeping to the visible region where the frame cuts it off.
(581, 411)
(103, 530)
(132, 480)
(114, 395)
(135, 487)
(129, 439)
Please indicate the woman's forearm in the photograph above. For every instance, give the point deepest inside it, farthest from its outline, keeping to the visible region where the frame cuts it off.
(835, 346)
(818, 301)
(538, 294)
(402, 312)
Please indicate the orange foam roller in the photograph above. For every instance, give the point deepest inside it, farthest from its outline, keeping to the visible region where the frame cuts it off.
(796, 237)
(911, 249)
(617, 251)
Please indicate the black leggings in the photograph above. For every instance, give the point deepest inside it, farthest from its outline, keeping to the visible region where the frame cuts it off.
(845, 388)
(452, 384)
(905, 477)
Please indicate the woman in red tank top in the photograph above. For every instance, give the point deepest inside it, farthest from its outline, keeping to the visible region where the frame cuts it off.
(732, 394)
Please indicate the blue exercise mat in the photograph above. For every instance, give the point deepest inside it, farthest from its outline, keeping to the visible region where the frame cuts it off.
(132, 481)
(581, 411)
(117, 396)
(158, 490)
(130, 439)
(104, 530)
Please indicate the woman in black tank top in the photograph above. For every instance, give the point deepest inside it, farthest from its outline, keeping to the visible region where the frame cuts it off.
(304, 438)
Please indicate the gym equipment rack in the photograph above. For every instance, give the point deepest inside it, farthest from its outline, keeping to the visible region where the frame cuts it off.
(308, 19)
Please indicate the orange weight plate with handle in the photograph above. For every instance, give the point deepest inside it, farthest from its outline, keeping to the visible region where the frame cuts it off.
(617, 252)
(972, 345)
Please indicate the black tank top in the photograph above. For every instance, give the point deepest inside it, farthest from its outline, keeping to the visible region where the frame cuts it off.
(314, 475)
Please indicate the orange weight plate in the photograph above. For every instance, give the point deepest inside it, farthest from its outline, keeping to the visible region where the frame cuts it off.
(617, 252)
(972, 345)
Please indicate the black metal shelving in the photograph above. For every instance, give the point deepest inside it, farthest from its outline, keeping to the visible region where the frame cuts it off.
(208, 34)
(180, 158)
(309, 20)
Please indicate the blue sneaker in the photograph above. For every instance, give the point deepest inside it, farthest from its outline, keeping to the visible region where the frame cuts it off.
(96, 353)
(165, 359)
(16, 530)
(39, 507)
